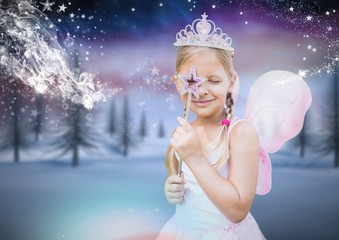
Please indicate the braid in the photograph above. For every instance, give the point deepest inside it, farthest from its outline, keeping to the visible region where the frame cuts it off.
(229, 106)
(223, 142)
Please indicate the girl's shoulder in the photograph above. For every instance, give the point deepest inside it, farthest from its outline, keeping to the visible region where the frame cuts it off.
(243, 128)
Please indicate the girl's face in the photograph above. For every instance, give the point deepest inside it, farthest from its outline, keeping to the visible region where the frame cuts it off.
(212, 92)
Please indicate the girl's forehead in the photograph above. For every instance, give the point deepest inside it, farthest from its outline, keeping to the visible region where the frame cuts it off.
(205, 60)
(205, 52)
(203, 64)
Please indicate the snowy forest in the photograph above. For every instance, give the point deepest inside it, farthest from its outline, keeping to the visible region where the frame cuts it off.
(33, 129)
(35, 125)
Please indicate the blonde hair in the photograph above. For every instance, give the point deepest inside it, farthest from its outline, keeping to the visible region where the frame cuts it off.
(226, 60)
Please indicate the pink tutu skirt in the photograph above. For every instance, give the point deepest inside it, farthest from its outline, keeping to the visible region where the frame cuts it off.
(248, 229)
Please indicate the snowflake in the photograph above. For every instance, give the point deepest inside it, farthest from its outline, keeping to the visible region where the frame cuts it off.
(47, 5)
(302, 73)
(62, 8)
(34, 113)
(155, 71)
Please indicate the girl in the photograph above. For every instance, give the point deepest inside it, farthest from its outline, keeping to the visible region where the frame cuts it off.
(220, 153)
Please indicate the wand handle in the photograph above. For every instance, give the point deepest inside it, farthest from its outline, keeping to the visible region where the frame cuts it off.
(187, 110)
(179, 163)
(188, 105)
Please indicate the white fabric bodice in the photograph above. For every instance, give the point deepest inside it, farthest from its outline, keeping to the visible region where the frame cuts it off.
(197, 210)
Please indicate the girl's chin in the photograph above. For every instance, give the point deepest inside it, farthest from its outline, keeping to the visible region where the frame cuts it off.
(202, 114)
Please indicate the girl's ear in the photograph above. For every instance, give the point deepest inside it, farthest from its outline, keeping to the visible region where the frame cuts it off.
(233, 80)
(174, 78)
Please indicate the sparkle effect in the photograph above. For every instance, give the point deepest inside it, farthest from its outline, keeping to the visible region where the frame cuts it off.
(32, 53)
(62, 8)
(47, 5)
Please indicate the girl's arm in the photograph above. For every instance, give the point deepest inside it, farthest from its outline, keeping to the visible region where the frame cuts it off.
(232, 196)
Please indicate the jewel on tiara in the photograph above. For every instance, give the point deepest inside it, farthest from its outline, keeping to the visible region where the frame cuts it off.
(204, 33)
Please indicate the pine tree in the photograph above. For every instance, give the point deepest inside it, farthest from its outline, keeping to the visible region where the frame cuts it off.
(161, 129)
(76, 133)
(303, 139)
(112, 119)
(17, 137)
(143, 125)
(336, 116)
(126, 128)
(38, 123)
(329, 139)
(14, 135)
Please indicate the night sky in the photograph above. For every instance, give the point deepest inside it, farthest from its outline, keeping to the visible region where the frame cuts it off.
(104, 28)
(128, 45)
(155, 23)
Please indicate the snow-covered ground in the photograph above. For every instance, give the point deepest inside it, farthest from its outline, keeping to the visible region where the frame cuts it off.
(112, 197)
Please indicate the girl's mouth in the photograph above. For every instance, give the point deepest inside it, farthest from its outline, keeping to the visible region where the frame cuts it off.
(202, 102)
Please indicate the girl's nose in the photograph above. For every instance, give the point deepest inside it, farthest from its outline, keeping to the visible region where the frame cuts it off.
(202, 89)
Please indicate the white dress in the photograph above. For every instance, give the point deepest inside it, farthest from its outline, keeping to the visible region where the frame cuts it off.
(197, 217)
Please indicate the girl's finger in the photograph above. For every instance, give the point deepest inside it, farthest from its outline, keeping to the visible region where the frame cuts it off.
(174, 179)
(174, 195)
(184, 124)
(180, 130)
(175, 135)
(175, 188)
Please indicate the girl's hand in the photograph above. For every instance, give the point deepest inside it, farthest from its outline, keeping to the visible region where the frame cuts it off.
(186, 142)
(174, 189)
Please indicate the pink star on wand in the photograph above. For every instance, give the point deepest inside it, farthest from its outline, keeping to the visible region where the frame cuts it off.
(191, 82)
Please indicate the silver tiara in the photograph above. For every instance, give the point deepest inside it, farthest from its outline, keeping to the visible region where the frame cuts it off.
(203, 33)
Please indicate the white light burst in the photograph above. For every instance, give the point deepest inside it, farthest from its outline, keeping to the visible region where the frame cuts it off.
(30, 52)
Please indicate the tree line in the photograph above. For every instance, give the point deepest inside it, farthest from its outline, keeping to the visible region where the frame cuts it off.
(25, 112)
(323, 137)
(22, 127)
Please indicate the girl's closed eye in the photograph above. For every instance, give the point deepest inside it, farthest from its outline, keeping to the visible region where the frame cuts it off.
(214, 81)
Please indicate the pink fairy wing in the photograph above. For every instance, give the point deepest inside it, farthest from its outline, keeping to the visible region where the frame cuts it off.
(265, 172)
(276, 105)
